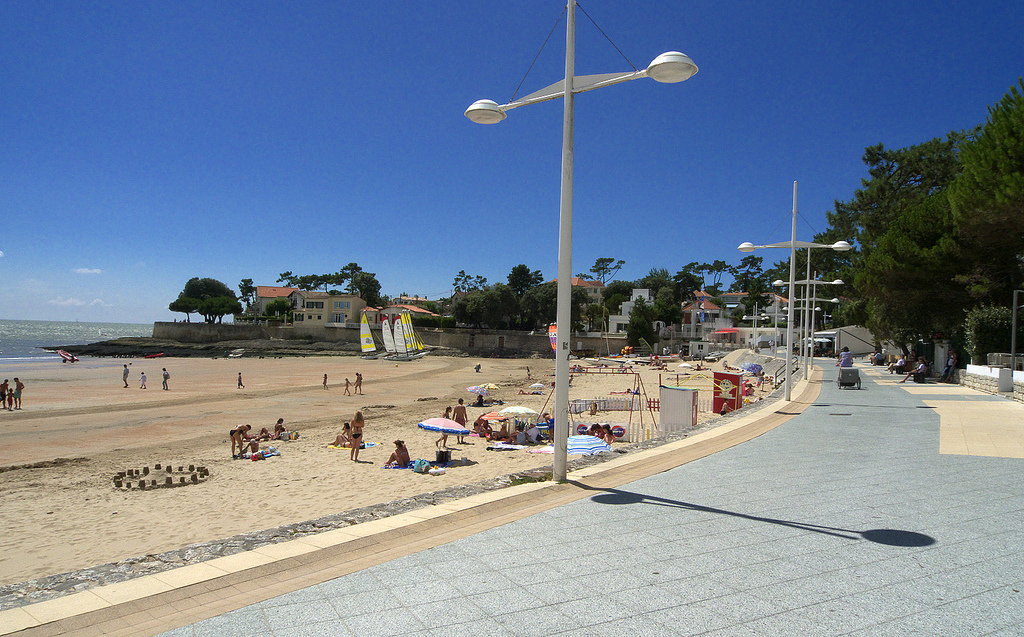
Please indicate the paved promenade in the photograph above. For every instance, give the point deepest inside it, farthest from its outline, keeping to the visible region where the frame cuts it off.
(863, 514)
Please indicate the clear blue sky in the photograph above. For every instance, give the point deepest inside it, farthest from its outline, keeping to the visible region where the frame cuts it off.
(143, 143)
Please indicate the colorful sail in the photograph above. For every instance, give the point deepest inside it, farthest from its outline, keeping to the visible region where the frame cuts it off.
(366, 341)
(411, 337)
(553, 336)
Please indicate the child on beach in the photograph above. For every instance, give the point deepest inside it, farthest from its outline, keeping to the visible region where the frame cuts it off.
(240, 385)
(442, 442)
(347, 391)
(143, 379)
(325, 381)
(359, 384)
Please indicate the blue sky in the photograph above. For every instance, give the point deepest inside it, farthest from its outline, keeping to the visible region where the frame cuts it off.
(143, 143)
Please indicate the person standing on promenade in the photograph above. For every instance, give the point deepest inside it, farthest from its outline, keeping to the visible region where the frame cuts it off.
(166, 377)
(325, 381)
(240, 385)
(3, 394)
(357, 435)
(459, 416)
(143, 379)
(947, 373)
(18, 386)
(124, 376)
(359, 383)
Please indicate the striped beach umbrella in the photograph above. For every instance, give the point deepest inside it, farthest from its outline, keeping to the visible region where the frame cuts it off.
(587, 445)
(477, 389)
(490, 386)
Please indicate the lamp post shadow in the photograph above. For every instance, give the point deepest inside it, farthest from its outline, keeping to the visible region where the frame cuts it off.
(888, 537)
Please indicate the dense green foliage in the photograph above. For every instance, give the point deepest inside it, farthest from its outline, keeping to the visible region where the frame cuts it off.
(209, 297)
(986, 330)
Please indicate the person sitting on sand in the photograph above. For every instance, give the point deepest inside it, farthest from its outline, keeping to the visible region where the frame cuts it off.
(358, 422)
(239, 434)
(344, 439)
(400, 456)
(480, 400)
(533, 434)
(596, 430)
(264, 434)
(502, 434)
(280, 432)
(482, 428)
(609, 435)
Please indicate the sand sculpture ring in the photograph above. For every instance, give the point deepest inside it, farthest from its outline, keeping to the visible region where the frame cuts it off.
(160, 477)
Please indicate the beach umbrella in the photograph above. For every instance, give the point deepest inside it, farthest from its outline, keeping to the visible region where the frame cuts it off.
(587, 445)
(477, 389)
(537, 386)
(685, 365)
(518, 410)
(753, 368)
(444, 426)
(494, 416)
(490, 386)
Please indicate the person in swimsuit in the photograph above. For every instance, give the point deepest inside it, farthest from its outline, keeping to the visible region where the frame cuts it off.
(344, 439)
(459, 416)
(400, 456)
(325, 381)
(348, 391)
(3, 394)
(238, 436)
(18, 386)
(359, 384)
(442, 442)
(357, 435)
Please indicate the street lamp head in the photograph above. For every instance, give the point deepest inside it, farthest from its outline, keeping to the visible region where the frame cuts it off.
(671, 67)
(777, 282)
(838, 282)
(485, 112)
(834, 300)
(841, 246)
(746, 246)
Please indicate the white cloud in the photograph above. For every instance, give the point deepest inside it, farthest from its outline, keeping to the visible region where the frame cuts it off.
(71, 301)
(66, 302)
(1, 253)
(87, 271)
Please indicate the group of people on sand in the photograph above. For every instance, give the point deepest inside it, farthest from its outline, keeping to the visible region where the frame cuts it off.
(512, 435)
(351, 436)
(604, 432)
(242, 439)
(10, 397)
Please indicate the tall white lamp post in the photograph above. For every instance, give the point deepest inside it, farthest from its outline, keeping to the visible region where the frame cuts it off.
(793, 244)
(667, 68)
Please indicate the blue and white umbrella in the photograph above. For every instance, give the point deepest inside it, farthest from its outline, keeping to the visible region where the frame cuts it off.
(753, 368)
(444, 426)
(587, 445)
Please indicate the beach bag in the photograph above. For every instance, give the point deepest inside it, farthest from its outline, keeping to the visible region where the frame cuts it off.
(444, 457)
(420, 465)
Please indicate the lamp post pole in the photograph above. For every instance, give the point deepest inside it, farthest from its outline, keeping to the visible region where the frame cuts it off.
(1013, 333)
(668, 68)
(789, 314)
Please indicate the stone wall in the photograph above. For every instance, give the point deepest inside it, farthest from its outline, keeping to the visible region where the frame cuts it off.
(472, 342)
(209, 332)
(987, 380)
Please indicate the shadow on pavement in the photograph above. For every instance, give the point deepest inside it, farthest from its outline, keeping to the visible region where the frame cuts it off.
(889, 537)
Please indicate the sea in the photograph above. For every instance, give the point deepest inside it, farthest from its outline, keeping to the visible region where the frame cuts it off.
(23, 340)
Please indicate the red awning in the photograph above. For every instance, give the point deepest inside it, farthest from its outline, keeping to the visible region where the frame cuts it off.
(728, 330)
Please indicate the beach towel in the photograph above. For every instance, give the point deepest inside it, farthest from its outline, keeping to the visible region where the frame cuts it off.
(544, 449)
(408, 466)
(363, 446)
(501, 446)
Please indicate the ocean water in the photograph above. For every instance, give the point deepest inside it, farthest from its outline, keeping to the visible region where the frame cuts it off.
(23, 339)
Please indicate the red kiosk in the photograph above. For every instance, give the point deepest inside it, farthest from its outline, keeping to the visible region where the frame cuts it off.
(728, 394)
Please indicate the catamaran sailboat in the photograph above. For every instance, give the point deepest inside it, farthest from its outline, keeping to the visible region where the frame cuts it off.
(366, 342)
(404, 344)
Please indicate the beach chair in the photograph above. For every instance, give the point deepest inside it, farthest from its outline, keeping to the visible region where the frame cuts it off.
(848, 377)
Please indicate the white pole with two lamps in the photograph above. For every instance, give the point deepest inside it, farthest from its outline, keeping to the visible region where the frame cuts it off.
(667, 68)
(793, 244)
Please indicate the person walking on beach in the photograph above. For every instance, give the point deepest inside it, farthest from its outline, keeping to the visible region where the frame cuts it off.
(3, 394)
(325, 381)
(143, 385)
(18, 386)
(359, 384)
(357, 435)
(124, 376)
(459, 416)
(166, 377)
(240, 385)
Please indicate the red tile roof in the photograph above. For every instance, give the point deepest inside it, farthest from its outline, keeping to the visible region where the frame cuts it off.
(270, 292)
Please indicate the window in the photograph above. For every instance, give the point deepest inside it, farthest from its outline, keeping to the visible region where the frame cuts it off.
(299, 317)
(315, 305)
(342, 305)
(337, 318)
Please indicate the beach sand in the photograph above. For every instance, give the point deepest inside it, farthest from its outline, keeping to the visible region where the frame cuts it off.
(69, 516)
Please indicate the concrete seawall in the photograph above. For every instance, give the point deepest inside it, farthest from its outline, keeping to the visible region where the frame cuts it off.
(469, 341)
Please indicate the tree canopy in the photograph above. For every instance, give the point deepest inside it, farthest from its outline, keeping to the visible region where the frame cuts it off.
(209, 297)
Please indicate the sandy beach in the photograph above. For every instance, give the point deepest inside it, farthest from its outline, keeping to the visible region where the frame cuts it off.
(68, 515)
